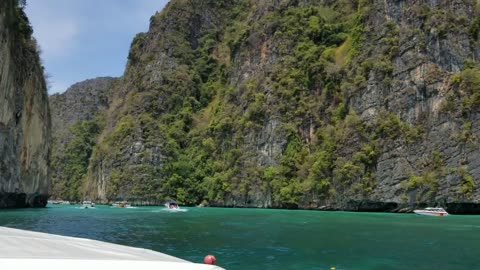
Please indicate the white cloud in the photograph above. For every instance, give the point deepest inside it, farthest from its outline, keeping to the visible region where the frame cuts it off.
(135, 15)
(56, 38)
(54, 30)
(82, 39)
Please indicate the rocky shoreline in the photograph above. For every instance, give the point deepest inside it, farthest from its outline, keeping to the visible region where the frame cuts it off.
(455, 208)
(22, 200)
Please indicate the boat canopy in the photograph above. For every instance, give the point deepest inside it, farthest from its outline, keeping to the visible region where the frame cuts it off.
(434, 209)
(170, 202)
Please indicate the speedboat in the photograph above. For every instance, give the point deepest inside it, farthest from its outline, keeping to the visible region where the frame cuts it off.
(431, 211)
(172, 205)
(122, 205)
(88, 204)
(54, 202)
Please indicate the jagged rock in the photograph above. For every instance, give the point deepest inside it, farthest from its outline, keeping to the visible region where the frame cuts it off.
(82, 101)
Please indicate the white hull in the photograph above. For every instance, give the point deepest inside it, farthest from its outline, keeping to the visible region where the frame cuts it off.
(430, 213)
(124, 264)
(32, 250)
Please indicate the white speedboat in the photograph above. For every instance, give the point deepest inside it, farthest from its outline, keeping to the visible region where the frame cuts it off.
(172, 205)
(53, 202)
(88, 204)
(431, 211)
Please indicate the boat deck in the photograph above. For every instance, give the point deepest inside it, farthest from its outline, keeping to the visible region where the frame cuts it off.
(19, 248)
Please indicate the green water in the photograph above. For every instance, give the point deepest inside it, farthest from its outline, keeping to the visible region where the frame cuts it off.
(272, 239)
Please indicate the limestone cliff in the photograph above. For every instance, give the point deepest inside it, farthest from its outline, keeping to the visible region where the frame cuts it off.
(24, 114)
(82, 101)
(360, 105)
(76, 120)
(431, 51)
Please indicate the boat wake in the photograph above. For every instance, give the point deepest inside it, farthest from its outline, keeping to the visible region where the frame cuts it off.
(170, 210)
(175, 210)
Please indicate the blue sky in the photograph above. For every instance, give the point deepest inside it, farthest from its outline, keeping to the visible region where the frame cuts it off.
(84, 39)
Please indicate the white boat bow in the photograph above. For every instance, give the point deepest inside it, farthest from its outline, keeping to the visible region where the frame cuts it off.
(432, 211)
(41, 251)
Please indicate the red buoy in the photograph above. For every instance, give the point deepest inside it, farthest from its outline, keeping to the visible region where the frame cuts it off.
(209, 259)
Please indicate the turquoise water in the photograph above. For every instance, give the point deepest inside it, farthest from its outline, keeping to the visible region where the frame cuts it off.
(272, 239)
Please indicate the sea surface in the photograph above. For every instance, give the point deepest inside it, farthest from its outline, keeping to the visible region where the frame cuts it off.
(272, 239)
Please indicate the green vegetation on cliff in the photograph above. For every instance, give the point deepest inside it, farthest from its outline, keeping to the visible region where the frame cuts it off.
(73, 161)
(247, 103)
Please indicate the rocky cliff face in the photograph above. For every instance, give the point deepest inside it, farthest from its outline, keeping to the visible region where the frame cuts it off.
(24, 114)
(359, 105)
(160, 79)
(76, 120)
(432, 50)
(82, 101)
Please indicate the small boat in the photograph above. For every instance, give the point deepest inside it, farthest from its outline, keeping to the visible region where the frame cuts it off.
(122, 205)
(172, 205)
(431, 211)
(53, 202)
(88, 204)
